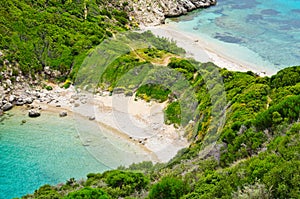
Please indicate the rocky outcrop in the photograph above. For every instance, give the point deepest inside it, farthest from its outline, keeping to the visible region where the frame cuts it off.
(18, 90)
(154, 12)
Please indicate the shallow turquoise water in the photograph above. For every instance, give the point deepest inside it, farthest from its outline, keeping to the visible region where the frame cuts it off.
(269, 28)
(43, 150)
(49, 150)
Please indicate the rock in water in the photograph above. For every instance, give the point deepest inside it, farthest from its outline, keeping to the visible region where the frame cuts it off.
(92, 118)
(63, 114)
(34, 113)
(7, 106)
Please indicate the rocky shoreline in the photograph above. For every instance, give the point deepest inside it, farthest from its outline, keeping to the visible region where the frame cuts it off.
(24, 97)
(152, 13)
(146, 130)
(138, 122)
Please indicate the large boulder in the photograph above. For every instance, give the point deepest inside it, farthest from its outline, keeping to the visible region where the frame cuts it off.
(28, 100)
(63, 114)
(12, 98)
(34, 113)
(7, 106)
(92, 118)
(20, 102)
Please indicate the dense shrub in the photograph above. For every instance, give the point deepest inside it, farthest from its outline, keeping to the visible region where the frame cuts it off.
(168, 188)
(88, 193)
(125, 180)
(286, 77)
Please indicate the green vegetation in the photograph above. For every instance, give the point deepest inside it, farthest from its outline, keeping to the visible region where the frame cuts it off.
(149, 91)
(173, 113)
(88, 193)
(111, 184)
(168, 188)
(53, 33)
(259, 144)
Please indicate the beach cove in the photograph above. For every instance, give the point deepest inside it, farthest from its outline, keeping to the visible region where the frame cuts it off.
(95, 136)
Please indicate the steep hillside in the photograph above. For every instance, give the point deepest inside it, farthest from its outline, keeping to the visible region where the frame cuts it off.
(256, 153)
(38, 36)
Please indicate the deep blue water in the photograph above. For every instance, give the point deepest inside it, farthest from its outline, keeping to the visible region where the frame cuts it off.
(269, 28)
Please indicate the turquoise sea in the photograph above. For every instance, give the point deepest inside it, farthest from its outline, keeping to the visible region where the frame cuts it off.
(51, 150)
(270, 29)
(43, 150)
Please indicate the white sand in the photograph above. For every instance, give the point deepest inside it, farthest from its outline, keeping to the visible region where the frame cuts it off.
(138, 122)
(203, 50)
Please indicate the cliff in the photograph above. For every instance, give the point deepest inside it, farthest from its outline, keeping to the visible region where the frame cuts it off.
(151, 12)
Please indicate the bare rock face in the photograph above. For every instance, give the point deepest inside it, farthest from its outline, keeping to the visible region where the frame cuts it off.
(154, 12)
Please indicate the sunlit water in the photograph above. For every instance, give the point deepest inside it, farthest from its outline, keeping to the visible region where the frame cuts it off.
(270, 29)
(49, 150)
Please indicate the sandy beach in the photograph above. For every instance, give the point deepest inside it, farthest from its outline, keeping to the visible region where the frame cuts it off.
(137, 123)
(203, 50)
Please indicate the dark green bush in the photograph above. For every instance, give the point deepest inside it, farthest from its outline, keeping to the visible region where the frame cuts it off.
(127, 181)
(88, 193)
(168, 188)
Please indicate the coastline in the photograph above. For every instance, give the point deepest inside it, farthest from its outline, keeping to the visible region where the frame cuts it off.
(136, 122)
(142, 124)
(203, 50)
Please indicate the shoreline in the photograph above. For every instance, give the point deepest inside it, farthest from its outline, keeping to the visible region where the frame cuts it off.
(203, 50)
(136, 123)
